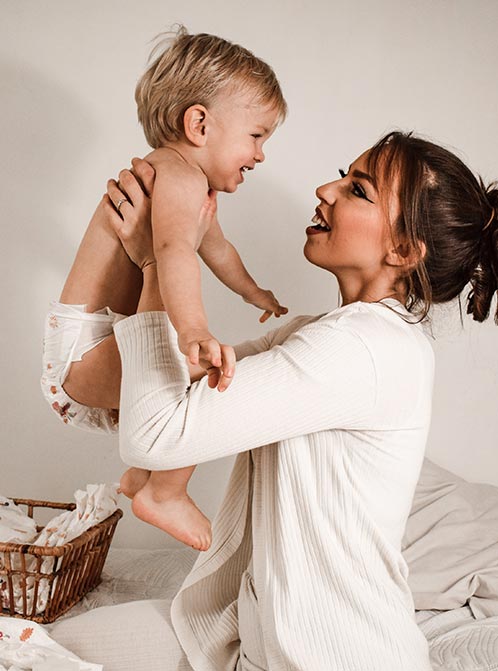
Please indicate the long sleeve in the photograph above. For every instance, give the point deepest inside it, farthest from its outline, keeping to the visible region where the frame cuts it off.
(322, 377)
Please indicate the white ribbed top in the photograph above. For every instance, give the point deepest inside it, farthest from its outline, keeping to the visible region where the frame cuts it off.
(338, 408)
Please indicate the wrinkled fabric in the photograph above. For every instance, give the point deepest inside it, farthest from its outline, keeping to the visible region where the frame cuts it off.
(26, 646)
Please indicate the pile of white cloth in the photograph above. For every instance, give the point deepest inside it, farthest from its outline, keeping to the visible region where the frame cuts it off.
(25, 645)
(93, 505)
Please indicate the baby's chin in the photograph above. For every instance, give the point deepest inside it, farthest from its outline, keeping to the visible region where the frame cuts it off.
(225, 188)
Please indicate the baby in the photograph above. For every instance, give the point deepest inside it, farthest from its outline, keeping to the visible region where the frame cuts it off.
(207, 107)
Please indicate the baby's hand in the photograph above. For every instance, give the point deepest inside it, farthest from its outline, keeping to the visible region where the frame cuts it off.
(265, 300)
(201, 348)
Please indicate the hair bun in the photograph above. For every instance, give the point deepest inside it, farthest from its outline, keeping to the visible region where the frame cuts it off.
(484, 279)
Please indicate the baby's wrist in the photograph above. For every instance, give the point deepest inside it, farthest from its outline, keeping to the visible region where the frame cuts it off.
(249, 294)
(193, 331)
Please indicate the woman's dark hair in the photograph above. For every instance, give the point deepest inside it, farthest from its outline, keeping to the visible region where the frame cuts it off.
(445, 206)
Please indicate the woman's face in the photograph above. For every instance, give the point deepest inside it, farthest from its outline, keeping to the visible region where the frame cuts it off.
(351, 236)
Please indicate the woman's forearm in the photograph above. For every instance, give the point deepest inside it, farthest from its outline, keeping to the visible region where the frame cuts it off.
(166, 423)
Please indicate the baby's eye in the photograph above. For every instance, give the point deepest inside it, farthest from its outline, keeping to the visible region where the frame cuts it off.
(256, 135)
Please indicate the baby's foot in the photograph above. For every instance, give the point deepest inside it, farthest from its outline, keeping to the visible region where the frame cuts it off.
(176, 514)
(132, 481)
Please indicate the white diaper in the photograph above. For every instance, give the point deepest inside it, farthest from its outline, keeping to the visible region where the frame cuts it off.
(70, 332)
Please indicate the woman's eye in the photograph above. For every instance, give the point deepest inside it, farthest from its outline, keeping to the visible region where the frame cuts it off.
(359, 191)
(357, 188)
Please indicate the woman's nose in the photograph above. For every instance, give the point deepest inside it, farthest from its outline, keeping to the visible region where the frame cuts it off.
(326, 192)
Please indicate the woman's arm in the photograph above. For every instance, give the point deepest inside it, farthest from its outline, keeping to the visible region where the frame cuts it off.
(320, 378)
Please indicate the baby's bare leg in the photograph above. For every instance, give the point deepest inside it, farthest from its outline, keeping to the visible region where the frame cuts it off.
(102, 275)
(132, 481)
(164, 502)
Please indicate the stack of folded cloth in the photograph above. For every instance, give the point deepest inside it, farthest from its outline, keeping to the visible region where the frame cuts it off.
(93, 506)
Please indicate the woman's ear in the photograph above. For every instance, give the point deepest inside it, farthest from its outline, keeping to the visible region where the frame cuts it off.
(404, 255)
(194, 125)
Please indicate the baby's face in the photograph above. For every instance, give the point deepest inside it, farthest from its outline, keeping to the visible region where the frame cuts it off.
(237, 129)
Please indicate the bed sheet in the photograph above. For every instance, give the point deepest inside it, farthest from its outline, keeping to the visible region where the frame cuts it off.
(458, 642)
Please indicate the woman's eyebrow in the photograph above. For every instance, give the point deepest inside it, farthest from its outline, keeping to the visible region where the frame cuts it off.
(359, 174)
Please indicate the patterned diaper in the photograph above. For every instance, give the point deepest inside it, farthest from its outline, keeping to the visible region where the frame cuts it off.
(70, 332)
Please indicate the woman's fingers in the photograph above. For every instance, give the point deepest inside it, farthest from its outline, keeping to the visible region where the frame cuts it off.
(144, 173)
(111, 214)
(131, 187)
(117, 195)
(133, 210)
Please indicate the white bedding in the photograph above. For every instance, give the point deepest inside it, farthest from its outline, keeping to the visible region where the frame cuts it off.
(450, 545)
(458, 642)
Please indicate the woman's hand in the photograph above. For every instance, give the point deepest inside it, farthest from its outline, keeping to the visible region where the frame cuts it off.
(128, 205)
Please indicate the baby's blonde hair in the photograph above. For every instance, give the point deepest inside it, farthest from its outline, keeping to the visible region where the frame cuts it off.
(194, 69)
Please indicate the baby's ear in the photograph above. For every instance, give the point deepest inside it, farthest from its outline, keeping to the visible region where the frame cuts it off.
(194, 125)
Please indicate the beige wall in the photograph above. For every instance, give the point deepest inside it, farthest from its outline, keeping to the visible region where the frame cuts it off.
(350, 71)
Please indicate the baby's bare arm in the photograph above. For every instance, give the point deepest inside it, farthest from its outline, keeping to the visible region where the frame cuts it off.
(178, 228)
(224, 261)
(176, 202)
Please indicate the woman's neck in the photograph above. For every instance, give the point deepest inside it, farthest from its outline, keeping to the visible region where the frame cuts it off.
(372, 292)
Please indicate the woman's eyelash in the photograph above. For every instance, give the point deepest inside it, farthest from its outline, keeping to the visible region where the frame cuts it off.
(357, 189)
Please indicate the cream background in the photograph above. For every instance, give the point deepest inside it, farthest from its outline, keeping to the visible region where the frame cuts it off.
(350, 72)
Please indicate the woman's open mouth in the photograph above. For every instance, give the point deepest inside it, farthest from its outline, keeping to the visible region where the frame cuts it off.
(320, 225)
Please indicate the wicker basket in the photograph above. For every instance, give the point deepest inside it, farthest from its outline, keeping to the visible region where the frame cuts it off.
(69, 571)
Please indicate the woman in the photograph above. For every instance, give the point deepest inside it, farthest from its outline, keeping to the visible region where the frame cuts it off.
(328, 416)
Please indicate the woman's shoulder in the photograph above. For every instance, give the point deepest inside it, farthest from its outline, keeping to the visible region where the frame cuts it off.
(350, 317)
(385, 314)
(385, 325)
(280, 334)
